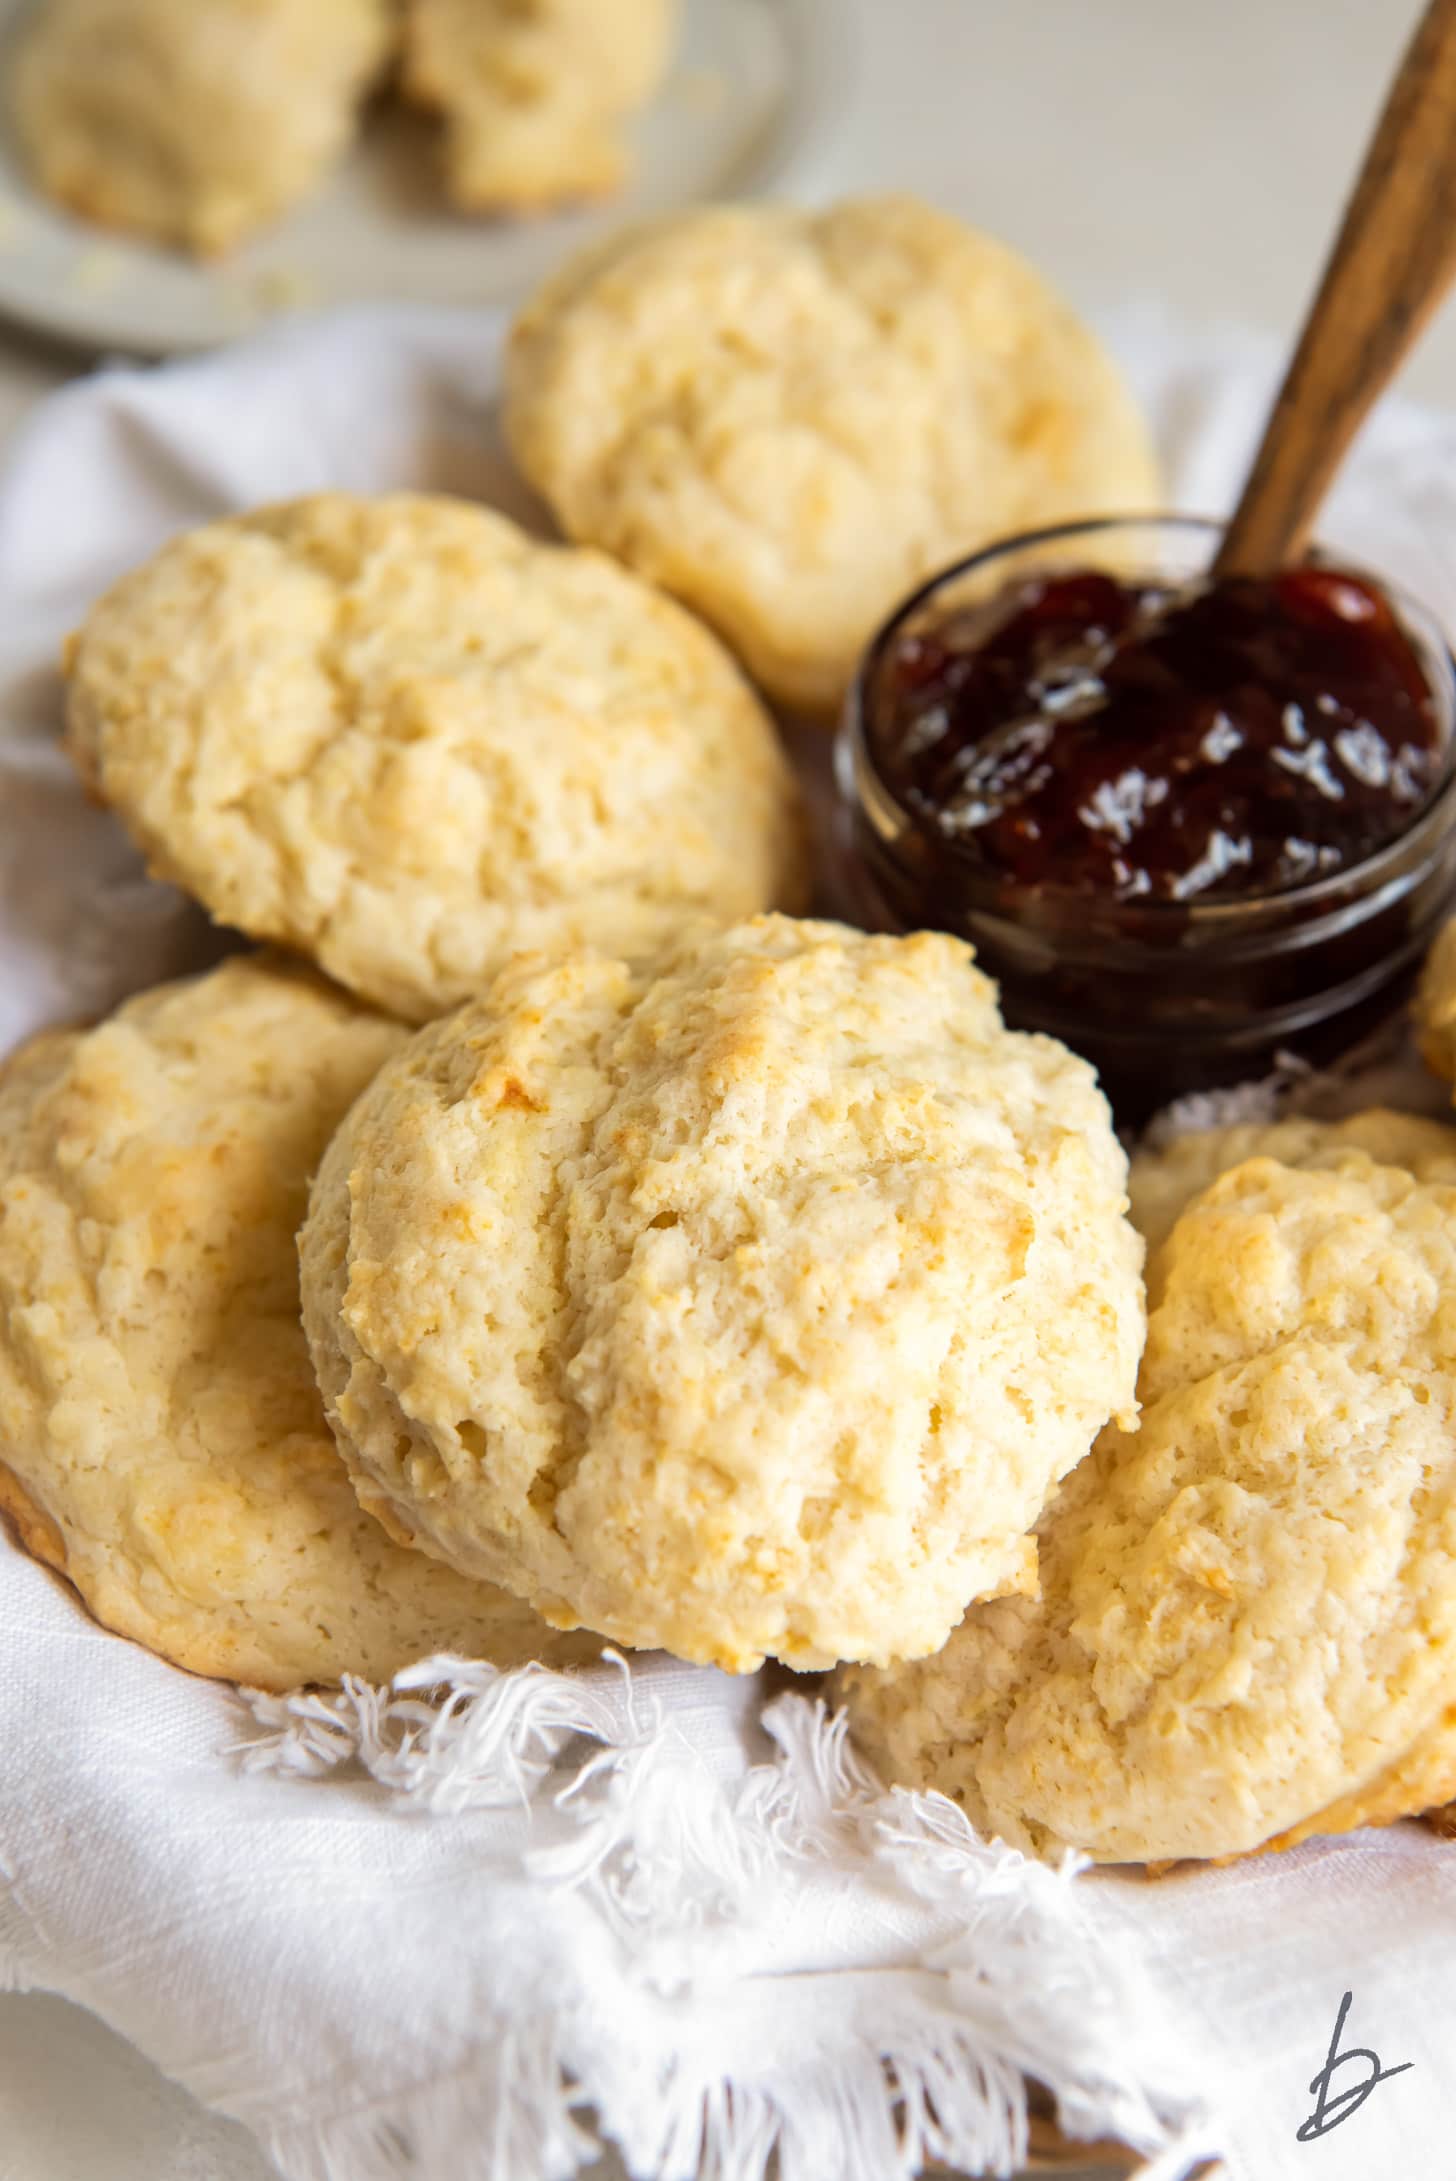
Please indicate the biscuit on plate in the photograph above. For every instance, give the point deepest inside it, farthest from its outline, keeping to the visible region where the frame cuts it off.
(534, 96)
(747, 1301)
(1246, 1632)
(1435, 1005)
(162, 1441)
(192, 121)
(789, 419)
(403, 737)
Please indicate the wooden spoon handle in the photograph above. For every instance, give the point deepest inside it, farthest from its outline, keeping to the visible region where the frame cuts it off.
(1393, 260)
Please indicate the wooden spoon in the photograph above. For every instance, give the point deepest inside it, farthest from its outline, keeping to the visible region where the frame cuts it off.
(1393, 261)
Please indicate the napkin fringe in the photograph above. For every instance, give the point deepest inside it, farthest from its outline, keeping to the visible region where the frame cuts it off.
(704, 2068)
(451, 1733)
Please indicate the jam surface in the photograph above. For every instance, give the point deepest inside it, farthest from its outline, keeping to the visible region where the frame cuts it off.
(1219, 740)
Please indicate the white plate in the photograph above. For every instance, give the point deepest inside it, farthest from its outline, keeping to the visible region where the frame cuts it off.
(756, 84)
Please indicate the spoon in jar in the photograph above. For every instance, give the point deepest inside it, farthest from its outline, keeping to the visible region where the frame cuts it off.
(1392, 262)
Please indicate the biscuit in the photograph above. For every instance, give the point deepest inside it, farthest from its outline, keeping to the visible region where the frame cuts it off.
(748, 1301)
(1435, 1005)
(162, 1441)
(1247, 1627)
(534, 97)
(193, 124)
(404, 738)
(790, 419)
(1164, 1182)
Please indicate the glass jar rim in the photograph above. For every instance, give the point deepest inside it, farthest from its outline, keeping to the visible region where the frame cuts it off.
(1434, 815)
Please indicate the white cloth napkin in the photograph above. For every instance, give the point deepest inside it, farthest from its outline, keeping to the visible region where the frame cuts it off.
(661, 1907)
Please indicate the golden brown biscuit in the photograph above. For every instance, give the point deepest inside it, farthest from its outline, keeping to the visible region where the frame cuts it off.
(1164, 1182)
(535, 93)
(162, 1442)
(748, 1301)
(1247, 1627)
(790, 419)
(193, 121)
(404, 738)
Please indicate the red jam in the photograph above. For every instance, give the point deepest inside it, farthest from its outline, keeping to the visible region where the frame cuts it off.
(1144, 742)
(1187, 824)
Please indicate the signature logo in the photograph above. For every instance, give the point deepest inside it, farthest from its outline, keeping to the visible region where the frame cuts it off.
(1331, 2107)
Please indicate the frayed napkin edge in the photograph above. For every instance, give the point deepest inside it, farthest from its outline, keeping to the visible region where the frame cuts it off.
(881, 2070)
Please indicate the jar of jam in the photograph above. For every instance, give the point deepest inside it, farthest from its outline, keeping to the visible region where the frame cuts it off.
(1188, 824)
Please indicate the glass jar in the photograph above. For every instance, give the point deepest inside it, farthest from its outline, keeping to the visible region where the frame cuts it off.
(1164, 997)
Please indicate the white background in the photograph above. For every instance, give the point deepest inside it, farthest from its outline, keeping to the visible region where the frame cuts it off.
(1195, 150)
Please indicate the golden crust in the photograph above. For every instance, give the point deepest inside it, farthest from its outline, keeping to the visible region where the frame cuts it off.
(1420, 1782)
(402, 737)
(1247, 1627)
(534, 100)
(790, 419)
(34, 1530)
(1164, 1182)
(1161, 1185)
(746, 1301)
(164, 1445)
(192, 124)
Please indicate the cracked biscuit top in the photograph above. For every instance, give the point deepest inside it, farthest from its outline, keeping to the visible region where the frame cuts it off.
(790, 419)
(405, 738)
(1246, 1632)
(1165, 1180)
(749, 1301)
